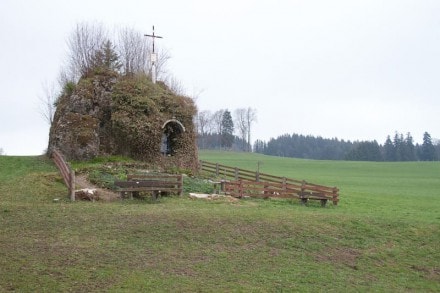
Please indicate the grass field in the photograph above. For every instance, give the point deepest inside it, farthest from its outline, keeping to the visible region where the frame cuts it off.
(383, 235)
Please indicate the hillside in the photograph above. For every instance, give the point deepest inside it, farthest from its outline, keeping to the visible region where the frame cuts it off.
(383, 236)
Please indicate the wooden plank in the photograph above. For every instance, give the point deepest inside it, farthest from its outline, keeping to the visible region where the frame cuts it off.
(66, 172)
(154, 176)
(144, 183)
(147, 189)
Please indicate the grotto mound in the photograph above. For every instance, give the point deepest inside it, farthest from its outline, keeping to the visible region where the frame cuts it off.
(109, 114)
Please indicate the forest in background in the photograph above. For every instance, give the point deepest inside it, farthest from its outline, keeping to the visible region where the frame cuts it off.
(394, 149)
(231, 130)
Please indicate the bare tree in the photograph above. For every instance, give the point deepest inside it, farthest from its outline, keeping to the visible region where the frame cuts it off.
(87, 41)
(217, 118)
(162, 58)
(47, 102)
(65, 76)
(84, 42)
(2, 152)
(244, 117)
(133, 51)
(205, 122)
(251, 116)
(195, 95)
(175, 85)
(241, 125)
(217, 124)
(203, 125)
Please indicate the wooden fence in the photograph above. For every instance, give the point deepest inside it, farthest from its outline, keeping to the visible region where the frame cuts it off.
(248, 183)
(67, 172)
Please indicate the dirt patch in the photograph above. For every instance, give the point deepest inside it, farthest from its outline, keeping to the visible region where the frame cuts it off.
(429, 273)
(344, 256)
(102, 194)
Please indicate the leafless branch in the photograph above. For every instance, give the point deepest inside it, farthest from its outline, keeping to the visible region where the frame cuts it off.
(47, 102)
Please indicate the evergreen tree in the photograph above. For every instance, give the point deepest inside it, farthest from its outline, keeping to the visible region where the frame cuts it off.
(227, 135)
(365, 151)
(259, 146)
(106, 58)
(428, 149)
(398, 146)
(389, 150)
(437, 150)
(409, 149)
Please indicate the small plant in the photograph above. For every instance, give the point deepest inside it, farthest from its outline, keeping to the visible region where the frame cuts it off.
(177, 170)
(69, 88)
(197, 185)
(102, 179)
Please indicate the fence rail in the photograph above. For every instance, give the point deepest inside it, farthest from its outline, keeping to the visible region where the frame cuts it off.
(248, 183)
(67, 172)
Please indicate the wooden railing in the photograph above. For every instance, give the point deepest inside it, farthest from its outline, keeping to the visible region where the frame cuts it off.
(242, 182)
(67, 172)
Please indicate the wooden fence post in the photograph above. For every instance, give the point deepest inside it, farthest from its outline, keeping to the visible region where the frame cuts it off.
(303, 188)
(216, 170)
(266, 192)
(181, 185)
(335, 196)
(72, 185)
(236, 173)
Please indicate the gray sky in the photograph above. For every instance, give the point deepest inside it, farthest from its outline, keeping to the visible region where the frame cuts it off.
(347, 69)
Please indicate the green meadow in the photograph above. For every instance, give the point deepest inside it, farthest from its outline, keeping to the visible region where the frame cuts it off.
(383, 236)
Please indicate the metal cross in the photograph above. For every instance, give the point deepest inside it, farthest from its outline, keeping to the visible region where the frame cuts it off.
(154, 37)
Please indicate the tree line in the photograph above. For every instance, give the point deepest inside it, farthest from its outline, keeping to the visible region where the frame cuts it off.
(400, 148)
(224, 129)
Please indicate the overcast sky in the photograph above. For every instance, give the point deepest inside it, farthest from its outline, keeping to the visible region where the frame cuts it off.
(355, 70)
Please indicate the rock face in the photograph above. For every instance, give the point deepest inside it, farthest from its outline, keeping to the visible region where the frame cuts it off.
(112, 115)
(81, 125)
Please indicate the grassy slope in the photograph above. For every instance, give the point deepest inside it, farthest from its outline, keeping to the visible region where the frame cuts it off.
(383, 235)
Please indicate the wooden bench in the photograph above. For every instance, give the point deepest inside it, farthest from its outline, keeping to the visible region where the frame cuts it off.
(306, 196)
(156, 184)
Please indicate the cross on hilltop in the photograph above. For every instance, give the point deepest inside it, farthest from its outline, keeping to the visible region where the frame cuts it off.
(153, 56)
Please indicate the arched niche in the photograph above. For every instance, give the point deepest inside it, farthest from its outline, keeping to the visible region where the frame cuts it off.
(172, 131)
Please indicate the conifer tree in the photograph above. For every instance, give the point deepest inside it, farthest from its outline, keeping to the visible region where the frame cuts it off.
(389, 150)
(106, 58)
(410, 153)
(428, 149)
(227, 134)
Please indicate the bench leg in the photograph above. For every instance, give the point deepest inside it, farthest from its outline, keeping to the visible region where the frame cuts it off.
(155, 195)
(323, 202)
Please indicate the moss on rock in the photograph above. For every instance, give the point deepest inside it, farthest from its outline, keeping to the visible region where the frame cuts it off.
(109, 115)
